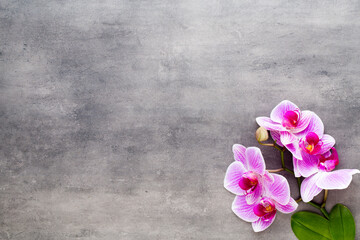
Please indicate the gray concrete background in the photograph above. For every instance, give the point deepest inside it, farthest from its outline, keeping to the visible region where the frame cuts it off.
(117, 117)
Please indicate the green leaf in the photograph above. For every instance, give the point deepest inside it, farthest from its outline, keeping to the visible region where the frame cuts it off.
(342, 224)
(310, 226)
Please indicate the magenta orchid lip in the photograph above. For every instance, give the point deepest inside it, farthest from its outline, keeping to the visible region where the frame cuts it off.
(248, 181)
(260, 193)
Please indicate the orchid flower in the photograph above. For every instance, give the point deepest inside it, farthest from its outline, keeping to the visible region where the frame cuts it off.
(306, 141)
(318, 170)
(285, 120)
(312, 145)
(311, 140)
(262, 213)
(247, 175)
(260, 194)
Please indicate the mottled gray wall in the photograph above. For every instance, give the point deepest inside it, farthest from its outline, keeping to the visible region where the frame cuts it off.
(117, 117)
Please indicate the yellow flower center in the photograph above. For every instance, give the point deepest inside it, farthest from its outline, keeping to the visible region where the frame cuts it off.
(268, 207)
(310, 147)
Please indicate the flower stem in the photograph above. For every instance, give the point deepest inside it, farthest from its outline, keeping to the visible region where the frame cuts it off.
(299, 183)
(325, 198)
(323, 211)
(314, 205)
(271, 145)
(281, 150)
(317, 206)
(288, 170)
(267, 144)
(275, 170)
(279, 170)
(283, 162)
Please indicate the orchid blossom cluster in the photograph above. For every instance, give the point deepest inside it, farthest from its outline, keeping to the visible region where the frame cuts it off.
(260, 193)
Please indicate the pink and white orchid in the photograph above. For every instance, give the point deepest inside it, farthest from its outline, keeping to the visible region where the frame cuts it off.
(298, 143)
(311, 140)
(319, 175)
(311, 145)
(261, 194)
(303, 136)
(246, 175)
(285, 120)
(262, 213)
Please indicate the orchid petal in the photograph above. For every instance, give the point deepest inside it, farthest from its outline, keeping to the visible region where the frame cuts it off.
(243, 210)
(232, 177)
(268, 177)
(239, 153)
(288, 208)
(328, 142)
(269, 216)
(339, 179)
(261, 224)
(279, 190)
(254, 195)
(309, 165)
(268, 124)
(327, 154)
(304, 121)
(277, 114)
(315, 124)
(309, 189)
(255, 160)
(295, 150)
(296, 167)
(287, 138)
(276, 137)
(312, 138)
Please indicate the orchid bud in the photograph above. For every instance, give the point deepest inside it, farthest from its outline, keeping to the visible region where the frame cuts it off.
(261, 134)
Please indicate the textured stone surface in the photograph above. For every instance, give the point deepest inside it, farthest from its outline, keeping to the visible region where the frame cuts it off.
(118, 117)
